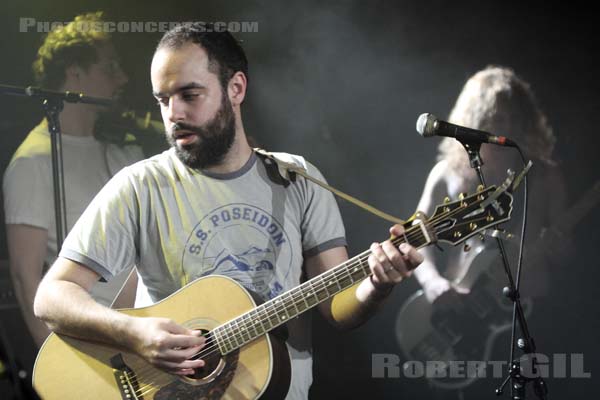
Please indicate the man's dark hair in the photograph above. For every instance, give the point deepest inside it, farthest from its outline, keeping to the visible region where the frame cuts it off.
(225, 55)
(73, 44)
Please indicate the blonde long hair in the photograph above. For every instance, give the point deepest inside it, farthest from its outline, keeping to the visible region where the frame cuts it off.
(496, 100)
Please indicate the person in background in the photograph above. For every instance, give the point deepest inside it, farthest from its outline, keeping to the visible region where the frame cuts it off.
(75, 58)
(495, 100)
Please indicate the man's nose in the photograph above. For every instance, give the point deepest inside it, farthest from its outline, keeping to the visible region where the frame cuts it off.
(175, 110)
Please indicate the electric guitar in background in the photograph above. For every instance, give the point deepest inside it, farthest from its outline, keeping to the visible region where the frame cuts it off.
(462, 327)
(244, 359)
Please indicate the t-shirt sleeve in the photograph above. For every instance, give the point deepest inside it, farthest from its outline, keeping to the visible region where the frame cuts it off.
(105, 236)
(322, 226)
(27, 187)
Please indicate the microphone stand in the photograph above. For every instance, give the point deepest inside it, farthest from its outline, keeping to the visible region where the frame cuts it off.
(526, 344)
(53, 103)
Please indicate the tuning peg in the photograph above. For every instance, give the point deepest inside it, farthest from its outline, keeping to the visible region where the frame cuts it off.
(480, 188)
(461, 197)
(446, 201)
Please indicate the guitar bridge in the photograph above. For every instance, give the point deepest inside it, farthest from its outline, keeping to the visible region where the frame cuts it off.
(126, 379)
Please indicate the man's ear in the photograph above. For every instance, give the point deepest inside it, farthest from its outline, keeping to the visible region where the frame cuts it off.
(236, 88)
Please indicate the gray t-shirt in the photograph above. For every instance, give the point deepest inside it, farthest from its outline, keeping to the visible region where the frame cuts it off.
(178, 224)
(29, 191)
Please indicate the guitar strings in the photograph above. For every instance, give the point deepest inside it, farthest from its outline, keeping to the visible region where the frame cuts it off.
(335, 271)
(267, 309)
(148, 387)
(294, 296)
(412, 232)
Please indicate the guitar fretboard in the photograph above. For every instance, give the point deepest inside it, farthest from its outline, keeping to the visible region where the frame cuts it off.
(277, 311)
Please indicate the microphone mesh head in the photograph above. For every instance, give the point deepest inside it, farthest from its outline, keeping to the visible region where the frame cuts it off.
(425, 124)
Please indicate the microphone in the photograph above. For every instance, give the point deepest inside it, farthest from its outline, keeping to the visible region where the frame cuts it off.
(428, 125)
(125, 128)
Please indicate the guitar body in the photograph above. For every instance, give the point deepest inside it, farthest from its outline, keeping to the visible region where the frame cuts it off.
(458, 327)
(68, 368)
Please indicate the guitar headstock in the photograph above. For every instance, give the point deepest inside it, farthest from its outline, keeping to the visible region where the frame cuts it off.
(456, 221)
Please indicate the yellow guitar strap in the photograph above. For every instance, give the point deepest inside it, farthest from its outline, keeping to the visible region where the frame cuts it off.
(286, 168)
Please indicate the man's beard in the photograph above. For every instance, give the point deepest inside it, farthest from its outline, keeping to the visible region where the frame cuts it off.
(215, 139)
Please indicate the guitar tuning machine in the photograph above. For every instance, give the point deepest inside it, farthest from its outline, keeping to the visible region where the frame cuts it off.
(480, 190)
(447, 200)
(497, 233)
(462, 196)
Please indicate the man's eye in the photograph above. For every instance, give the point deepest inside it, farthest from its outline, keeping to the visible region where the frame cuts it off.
(189, 96)
(162, 101)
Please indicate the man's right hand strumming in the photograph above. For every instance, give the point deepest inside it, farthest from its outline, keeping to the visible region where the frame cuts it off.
(167, 345)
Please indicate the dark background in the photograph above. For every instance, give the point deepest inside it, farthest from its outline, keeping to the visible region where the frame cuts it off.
(342, 83)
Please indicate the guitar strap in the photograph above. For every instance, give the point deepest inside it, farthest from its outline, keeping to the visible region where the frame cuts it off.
(288, 171)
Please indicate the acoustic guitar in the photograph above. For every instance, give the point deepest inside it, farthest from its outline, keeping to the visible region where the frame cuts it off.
(244, 359)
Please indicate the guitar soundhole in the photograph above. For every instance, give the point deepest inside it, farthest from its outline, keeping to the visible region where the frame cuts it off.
(214, 362)
(208, 382)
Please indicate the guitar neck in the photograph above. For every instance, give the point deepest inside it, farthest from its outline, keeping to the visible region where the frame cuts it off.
(452, 222)
(277, 311)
